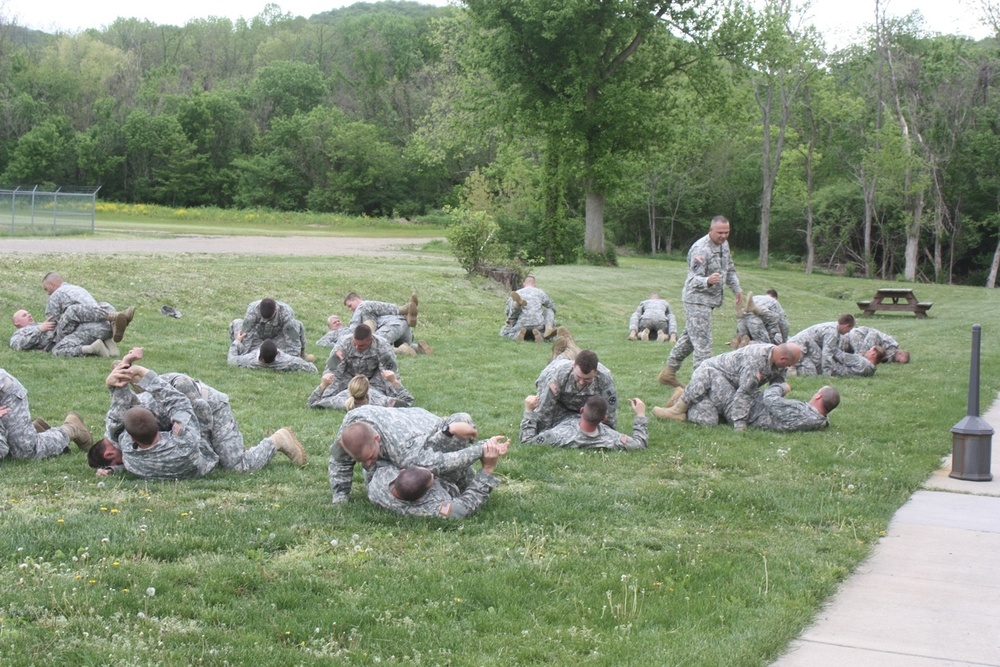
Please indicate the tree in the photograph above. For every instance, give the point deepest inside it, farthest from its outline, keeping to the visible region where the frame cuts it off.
(577, 73)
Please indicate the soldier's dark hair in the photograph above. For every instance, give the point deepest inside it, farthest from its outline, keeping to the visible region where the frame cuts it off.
(351, 296)
(267, 308)
(362, 332)
(830, 398)
(268, 352)
(95, 455)
(772, 293)
(846, 318)
(595, 409)
(412, 483)
(586, 361)
(879, 354)
(141, 424)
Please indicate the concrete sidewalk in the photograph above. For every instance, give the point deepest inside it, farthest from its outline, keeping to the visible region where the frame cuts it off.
(929, 595)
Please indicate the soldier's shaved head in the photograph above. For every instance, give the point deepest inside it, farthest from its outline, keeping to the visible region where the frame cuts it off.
(362, 443)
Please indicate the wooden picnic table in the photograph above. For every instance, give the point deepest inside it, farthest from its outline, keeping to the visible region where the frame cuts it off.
(895, 299)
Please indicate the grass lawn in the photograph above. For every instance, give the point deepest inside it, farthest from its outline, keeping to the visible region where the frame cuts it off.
(710, 548)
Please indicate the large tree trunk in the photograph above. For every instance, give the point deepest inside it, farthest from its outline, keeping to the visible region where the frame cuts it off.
(913, 238)
(651, 212)
(593, 238)
(991, 280)
(868, 189)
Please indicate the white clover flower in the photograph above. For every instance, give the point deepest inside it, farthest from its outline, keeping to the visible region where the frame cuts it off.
(150, 592)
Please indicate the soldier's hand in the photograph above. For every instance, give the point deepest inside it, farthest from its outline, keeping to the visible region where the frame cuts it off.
(390, 377)
(326, 381)
(463, 430)
(531, 402)
(47, 325)
(786, 388)
(133, 355)
(638, 407)
(714, 278)
(4, 410)
(500, 442)
(104, 472)
(739, 297)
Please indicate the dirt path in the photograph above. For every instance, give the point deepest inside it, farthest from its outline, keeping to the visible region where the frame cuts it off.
(221, 245)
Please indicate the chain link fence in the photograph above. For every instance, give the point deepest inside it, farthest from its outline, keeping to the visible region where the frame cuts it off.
(32, 210)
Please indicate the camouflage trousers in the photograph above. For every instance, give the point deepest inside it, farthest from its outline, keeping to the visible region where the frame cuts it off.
(696, 337)
(17, 435)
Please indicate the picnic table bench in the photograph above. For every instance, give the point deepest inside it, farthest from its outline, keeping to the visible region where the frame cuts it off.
(895, 299)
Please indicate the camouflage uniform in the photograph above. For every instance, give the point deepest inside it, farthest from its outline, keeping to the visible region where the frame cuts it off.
(745, 370)
(699, 298)
(282, 362)
(180, 452)
(849, 364)
(18, 438)
(370, 363)
(331, 338)
(389, 324)
(286, 331)
(770, 410)
(408, 437)
(559, 396)
(821, 353)
(30, 338)
(861, 339)
(87, 309)
(443, 500)
(537, 314)
(655, 315)
(771, 326)
(568, 433)
(324, 398)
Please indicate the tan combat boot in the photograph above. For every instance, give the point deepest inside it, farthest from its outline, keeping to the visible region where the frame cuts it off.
(734, 343)
(644, 334)
(564, 347)
(119, 321)
(550, 331)
(286, 443)
(677, 411)
(632, 335)
(676, 396)
(521, 334)
(537, 335)
(668, 376)
(73, 427)
(409, 311)
(424, 348)
(751, 306)
(97, 348)
(745, 340)
(112, 347)
(406, 350)
(518, 299)
(664, 336)
(308, 357)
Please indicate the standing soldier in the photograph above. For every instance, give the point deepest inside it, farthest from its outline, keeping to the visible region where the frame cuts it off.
(710, 267)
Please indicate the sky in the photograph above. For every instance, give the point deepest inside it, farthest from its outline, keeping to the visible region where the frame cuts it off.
(839, 20)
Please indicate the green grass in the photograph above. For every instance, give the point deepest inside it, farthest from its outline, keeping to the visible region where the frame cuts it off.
(710, 548)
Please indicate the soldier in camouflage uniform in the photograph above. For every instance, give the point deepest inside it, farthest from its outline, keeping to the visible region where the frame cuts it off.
(334, 328)
(763, 322)
(588, 431)
(388, 321)
(745, 370)
(20, 439)
(529, 311)
(858, 365)
(84, 338)
(710, 268)
(820, 343)
(267, 319)
(267, 356)
(62, 296)
(406, 437)
(322, 397)
(419, 492)
(861, 339)
(361, 354)
(565, 385)
(769, 410)
(653, 320)
(160, 434)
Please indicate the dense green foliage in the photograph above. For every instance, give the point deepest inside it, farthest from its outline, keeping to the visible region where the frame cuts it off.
(710, 548)
(630, 122)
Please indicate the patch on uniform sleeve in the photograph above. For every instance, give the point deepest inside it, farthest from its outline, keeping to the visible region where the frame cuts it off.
(445, 509)
(554, 388)
(623, 439)
(699, 260)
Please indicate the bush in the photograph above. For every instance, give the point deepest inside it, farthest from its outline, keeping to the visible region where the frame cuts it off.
(474, 241)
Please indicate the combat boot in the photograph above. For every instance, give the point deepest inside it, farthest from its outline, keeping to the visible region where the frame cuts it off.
(676, 396)
(644, 334)
(550, 331)
(286, 443)
(73, 427)
(518, 299)
(677, 411)
(537, 335)
(745, 340)
(668, 376)
(97, 348)
(664, 336)
(521, 334)
(112, 347)
(673, 338)
(119, 321)
(734, 343)
(41, 426)
(632, 335)
(406, 350)
(424, 348)
(409, 311)
(751, 306)
(564, 347)
(308, 357)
